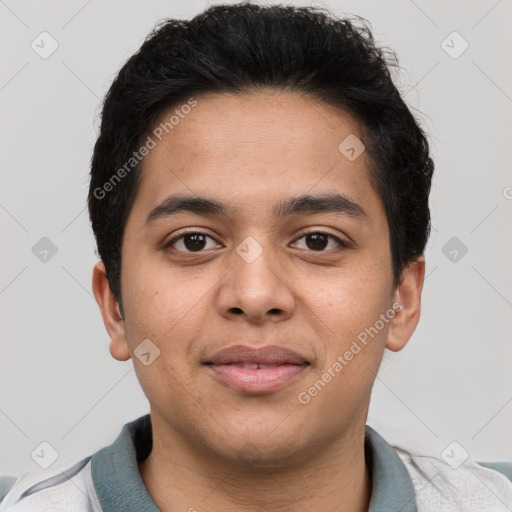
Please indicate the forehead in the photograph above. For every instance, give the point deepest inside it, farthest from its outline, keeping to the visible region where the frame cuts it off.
(250, 150)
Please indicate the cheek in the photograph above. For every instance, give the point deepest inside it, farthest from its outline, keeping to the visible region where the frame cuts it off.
(351, 306)
(166, 309)
(162, 304)
(355, 296)
(354, 345)
(160, 290)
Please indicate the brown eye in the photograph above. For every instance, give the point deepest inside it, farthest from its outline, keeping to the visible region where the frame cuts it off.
(319, 241)
(189, 242)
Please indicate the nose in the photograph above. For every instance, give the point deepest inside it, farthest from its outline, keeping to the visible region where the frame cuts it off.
(256, 286)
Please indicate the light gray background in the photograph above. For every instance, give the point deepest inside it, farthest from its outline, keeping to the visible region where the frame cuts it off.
(58, 381)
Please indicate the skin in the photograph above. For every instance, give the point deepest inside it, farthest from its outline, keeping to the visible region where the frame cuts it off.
(216, 448)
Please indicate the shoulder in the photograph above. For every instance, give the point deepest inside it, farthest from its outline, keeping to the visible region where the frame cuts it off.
(504, 468)
(71, 490)
(441, 485)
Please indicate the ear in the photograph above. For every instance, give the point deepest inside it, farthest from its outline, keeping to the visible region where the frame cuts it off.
(408, 294)
(109, 308)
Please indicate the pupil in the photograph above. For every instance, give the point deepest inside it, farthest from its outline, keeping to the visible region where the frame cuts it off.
(319, 241)
(197, 243)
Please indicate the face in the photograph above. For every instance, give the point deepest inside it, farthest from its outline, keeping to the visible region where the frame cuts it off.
(291, 251)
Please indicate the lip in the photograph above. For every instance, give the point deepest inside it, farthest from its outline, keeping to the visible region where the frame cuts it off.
(256, 370)
(271, 354)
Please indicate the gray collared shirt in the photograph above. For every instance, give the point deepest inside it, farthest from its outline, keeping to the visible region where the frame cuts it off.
(110, 481)
(119, 485)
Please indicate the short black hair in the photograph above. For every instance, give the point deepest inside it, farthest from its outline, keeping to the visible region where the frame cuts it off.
(242, 47)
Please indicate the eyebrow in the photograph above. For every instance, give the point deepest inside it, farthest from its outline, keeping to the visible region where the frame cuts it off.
(301, 205)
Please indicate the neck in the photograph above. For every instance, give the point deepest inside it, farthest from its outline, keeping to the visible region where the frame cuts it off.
(330, 477)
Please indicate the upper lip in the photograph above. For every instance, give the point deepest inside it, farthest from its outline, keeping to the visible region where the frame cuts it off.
(271, 354)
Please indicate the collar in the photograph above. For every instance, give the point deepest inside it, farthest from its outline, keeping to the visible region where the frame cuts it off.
(119, 486)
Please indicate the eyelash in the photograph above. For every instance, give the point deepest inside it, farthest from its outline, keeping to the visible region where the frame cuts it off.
(342, 244)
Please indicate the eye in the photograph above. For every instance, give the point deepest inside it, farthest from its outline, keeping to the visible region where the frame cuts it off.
(196, 241)
(193, 241)
(317, 241)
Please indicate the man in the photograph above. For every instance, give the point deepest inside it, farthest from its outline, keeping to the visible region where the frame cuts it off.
(259, 196)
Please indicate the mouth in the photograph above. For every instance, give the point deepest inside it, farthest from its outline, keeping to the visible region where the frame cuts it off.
(256, 366)
(256, 371)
